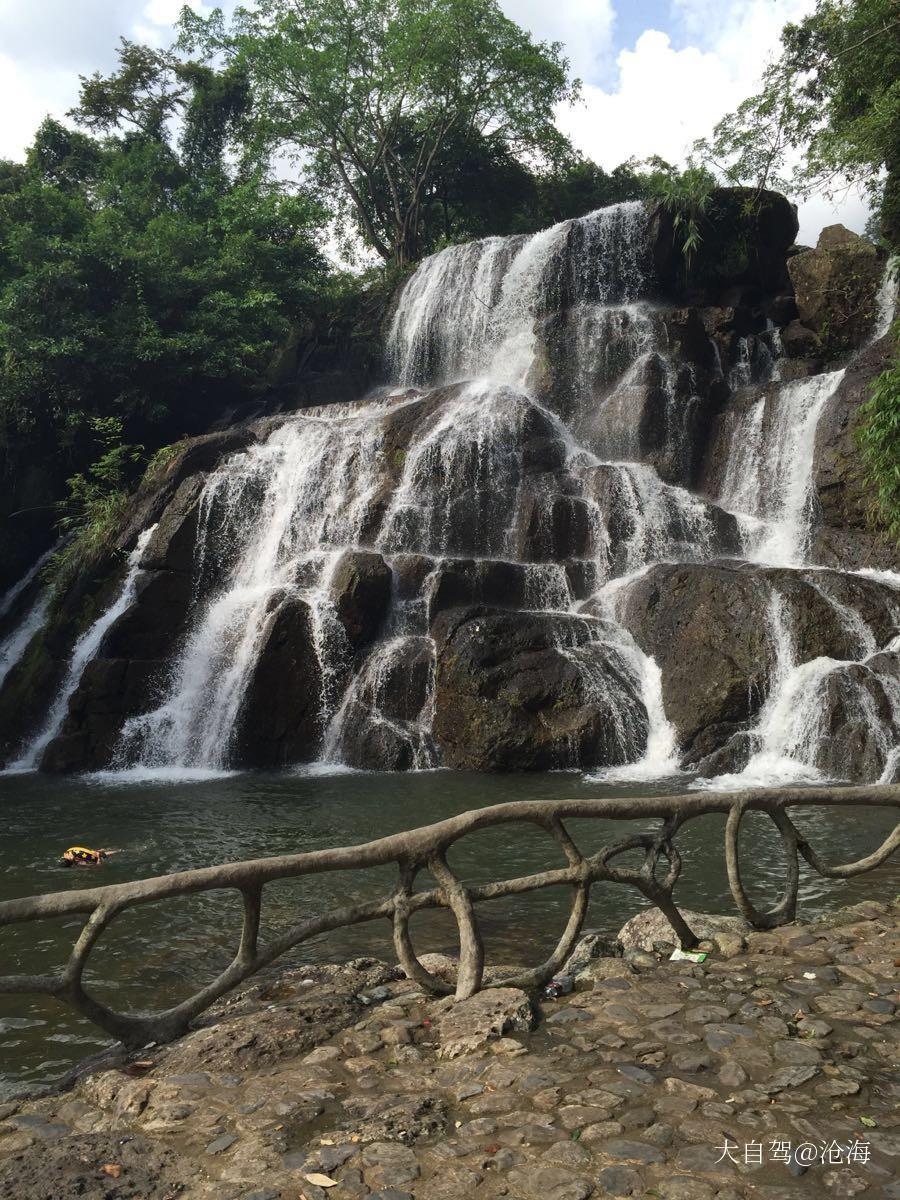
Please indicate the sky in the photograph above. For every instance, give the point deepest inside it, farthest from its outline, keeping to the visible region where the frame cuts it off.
(656, 74)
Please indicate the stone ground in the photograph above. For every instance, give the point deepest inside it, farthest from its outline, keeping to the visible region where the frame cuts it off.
(346, 1082)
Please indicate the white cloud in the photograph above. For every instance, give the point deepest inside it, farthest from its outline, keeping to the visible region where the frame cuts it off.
(585, 27)
(26, 96)
(662, 103)
(47, 45)
(167, 12)
(666, 98)
(159, 16)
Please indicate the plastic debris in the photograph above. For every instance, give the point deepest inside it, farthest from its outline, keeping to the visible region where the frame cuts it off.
(562, 985)
(694, 956)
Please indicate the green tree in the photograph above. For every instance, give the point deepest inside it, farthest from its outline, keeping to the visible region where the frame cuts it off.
(147, 270)
(367, 94)
(828, 114)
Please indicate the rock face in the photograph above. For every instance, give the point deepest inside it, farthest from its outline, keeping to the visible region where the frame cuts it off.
(512, 693)
(281, 716)
(857, 705)
(845, 537)
(835, 286)
(741, 246)
(383, 725)
(361, 593)
(706, 628)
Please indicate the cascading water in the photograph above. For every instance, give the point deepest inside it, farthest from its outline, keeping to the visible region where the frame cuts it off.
(471, 310)
(279, 514)
(768, 485)
(769, 477)
(9, 597)
(15, 645)
(84, 651)
(519, 477)
(29, 622)
(791, 739)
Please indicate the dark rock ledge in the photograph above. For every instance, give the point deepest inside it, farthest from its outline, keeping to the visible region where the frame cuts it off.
(344, 1081)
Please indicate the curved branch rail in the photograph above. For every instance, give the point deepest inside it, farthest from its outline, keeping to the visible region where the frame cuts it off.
(426, 848)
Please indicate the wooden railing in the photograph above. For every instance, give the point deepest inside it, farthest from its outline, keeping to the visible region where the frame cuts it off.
(426, 849)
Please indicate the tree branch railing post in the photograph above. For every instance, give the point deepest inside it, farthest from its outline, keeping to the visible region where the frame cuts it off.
(427, 849)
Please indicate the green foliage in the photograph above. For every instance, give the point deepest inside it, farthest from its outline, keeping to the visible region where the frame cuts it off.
(479, 188)
(96, 502)
(686, 195)
(144, 280)
(159, 461)
(751, 146)
(379, 98)
(834, 96)
(879, 440)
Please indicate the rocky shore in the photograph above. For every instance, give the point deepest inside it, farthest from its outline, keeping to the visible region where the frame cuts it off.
(770, 1070)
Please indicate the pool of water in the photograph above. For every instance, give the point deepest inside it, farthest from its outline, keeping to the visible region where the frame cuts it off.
(156, 953)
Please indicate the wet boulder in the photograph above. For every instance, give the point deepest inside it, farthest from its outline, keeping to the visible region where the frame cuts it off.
(360, 589)
(381, 724)
(716, 631)
(836, 287)
(280, 721)
(151, 627)
(172, 544)
(532, 691)
(854, 732)
(410, 572)
(799, 341)
(464, 453)
(646, 519)
(194, 457)
(458, 582)
(704, 627)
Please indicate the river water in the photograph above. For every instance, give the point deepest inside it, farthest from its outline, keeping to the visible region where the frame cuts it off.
(154, 954)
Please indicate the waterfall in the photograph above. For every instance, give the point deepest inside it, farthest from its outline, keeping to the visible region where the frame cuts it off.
(30, 621)
(769, 474)
(886, 299)
(659, 758)
(9, 597)
(471, 310)
(278, 514)
(372, 701)
(83, 652)
(15, 645)
(791, 736)
(534, 454)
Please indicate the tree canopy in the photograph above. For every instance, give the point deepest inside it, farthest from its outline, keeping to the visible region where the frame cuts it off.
(377, 98)
(144, 281)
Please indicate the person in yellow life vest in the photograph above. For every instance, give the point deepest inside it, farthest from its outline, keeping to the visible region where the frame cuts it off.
(81, 856)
